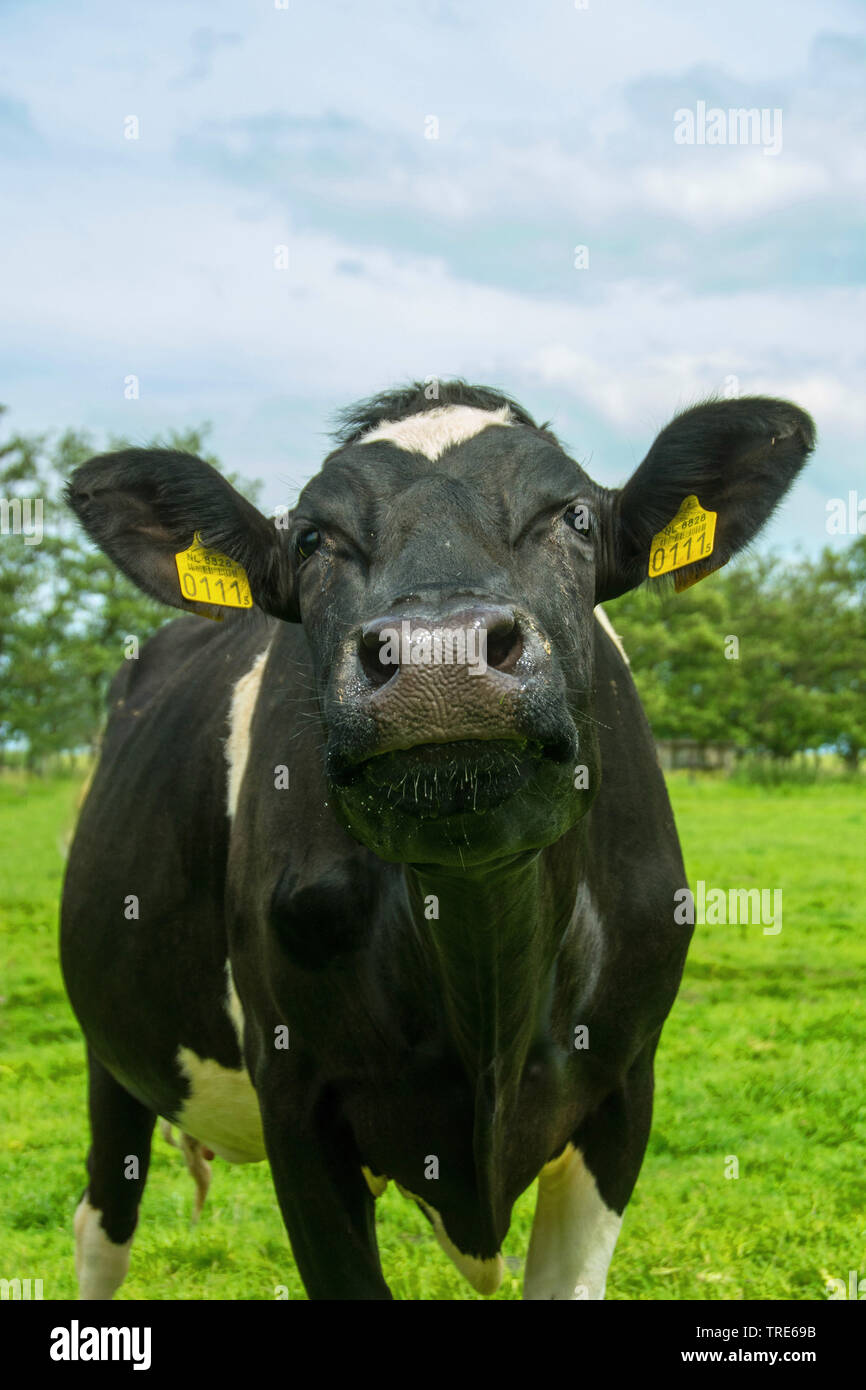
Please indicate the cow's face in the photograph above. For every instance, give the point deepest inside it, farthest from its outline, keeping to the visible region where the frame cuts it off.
(446, 582)
(445, 569)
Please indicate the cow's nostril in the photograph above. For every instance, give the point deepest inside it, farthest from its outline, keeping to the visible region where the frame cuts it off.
(372, 653)
(504, 644)
(489, 634)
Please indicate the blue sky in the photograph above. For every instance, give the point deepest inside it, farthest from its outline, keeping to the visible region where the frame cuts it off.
(408, 257)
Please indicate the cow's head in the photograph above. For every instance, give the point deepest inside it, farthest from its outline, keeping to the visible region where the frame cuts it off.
(445, 563)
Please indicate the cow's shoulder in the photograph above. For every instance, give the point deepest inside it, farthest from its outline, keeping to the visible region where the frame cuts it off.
(631, 819)
(189, 663)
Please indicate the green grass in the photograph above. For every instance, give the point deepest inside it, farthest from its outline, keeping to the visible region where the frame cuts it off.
(761, 1059)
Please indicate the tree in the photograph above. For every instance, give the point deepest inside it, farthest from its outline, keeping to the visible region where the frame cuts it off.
(840, 651)
(65, 609)
(794, 675)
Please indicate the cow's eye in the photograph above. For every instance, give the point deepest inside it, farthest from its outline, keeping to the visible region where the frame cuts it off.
(306, 543)
(580, 519)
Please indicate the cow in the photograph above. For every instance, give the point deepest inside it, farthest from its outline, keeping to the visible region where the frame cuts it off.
(375, 916)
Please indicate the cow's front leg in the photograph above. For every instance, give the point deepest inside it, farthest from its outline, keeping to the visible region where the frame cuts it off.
(326, 1204)
(573, 1233)
(582, 1194)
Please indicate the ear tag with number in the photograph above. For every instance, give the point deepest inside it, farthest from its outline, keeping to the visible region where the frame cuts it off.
(687, 538)
(206, 576)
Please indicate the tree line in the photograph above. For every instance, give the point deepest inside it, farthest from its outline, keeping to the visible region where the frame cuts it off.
(65, 609)
(767, 655)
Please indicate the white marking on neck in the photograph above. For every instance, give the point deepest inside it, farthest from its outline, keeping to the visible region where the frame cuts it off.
(614, 636)
(237, 748)
(573, 1233)
(431, 432)
(234, 1006)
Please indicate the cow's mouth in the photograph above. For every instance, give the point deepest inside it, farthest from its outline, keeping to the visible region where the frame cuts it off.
(437, 780)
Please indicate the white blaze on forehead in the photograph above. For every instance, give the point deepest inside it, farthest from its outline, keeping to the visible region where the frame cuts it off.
(614, 636)
(244, 697)
(431, 432)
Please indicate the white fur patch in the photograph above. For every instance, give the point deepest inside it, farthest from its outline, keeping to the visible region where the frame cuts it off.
(485, 1276)
(222, 1110)
(233, 1005)
(431, 432)
(614, 636)
(573, 1233)
(237, 748)
(101, 1265)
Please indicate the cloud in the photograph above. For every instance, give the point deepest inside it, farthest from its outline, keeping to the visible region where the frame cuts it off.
(836, 57)
(505, 200)
(205, 44)
(18, 133)
(221, 327)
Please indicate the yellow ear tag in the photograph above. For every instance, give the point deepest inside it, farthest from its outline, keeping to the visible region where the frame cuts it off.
(687, 538)
(206, 576)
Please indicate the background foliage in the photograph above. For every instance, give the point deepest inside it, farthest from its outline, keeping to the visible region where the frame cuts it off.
(65, 609)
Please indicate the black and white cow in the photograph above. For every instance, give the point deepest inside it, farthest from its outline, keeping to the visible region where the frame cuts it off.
(444, 952)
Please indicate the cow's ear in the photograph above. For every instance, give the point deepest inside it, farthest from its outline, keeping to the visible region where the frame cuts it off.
(143, 507)
(738, 458)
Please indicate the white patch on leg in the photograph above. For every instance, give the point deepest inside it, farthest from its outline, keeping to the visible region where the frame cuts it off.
(431, 432)
(101, 1265)
(573, 1233)
(606, 623)
(237, 748)
(485, 1276)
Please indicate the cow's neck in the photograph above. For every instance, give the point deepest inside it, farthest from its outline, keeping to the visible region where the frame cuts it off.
(490, 942)
(490, 954)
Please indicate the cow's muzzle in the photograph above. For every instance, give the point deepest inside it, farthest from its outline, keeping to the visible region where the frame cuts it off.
(468, 692)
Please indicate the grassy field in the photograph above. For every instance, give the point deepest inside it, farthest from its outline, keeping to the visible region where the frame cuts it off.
(762, 1060)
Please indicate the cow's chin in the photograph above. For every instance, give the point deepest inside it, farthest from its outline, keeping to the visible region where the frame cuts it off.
(463, 803)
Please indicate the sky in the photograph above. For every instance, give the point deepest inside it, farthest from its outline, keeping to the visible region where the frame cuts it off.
(264, 211)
